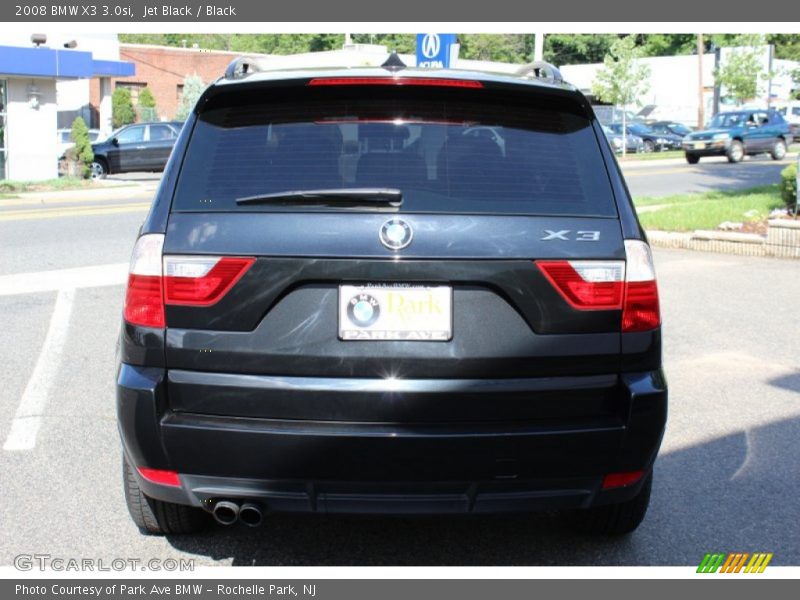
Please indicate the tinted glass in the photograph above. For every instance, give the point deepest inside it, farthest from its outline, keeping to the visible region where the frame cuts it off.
(131, 135)
(447, 151)
(160, 133)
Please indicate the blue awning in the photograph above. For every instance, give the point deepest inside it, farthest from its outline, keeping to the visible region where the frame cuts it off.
(59, 64)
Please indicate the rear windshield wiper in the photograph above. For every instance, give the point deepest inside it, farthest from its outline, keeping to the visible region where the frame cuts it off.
(339, 197)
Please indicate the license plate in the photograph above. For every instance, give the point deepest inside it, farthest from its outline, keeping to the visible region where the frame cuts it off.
(699, 145)
(395, 312)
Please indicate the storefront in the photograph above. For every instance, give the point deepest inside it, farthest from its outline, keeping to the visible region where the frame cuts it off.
(28, 109)
(3, 96)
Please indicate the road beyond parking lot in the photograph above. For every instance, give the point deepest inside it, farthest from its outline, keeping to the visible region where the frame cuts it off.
(727, 478)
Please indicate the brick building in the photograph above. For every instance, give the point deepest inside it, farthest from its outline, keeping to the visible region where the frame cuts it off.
(163, 69)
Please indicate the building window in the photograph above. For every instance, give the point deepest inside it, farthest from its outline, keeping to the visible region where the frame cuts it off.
(179, 92)
(3, 101)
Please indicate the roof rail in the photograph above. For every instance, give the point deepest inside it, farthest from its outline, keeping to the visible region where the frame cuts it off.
(242, 66)
(541, 70)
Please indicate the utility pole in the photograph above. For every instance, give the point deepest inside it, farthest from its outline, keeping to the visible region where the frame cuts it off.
(701, 112)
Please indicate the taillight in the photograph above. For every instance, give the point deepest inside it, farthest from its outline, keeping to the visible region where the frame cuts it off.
(144, 299)
(640, 310)
(611, 285)
(421, 81)
(201, 280)
(587, 285)
(154, 281)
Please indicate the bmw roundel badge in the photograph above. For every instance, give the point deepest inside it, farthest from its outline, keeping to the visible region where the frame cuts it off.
(396, 234)
(363, 310)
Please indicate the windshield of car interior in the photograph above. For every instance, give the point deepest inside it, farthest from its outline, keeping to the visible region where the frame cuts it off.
(469, 151)
(728, 120)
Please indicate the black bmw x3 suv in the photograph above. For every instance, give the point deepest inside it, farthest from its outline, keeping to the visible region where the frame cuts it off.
(390, 291)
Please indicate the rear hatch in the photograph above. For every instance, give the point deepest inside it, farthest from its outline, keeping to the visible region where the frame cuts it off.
(348, 250)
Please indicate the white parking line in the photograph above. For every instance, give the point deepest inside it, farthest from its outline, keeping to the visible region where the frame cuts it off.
(28, 417)
(50, 281)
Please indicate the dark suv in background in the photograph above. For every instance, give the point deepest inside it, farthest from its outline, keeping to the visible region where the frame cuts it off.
(137, 147)
(391, 291)
(738, 133)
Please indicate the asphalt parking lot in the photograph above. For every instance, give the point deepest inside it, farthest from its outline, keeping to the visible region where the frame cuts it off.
(727, 479)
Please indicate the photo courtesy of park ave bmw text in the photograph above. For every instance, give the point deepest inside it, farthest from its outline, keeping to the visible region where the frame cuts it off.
(362, 304)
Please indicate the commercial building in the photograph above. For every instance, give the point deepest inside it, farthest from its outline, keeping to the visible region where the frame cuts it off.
(36, 77)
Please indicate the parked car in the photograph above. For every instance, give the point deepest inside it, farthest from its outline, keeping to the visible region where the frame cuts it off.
(607, 114)
(670, 128)
(434, 325)
(791, 112)
(651, 141)
(65, 139)
(137, 147)
(737, 133)
(633, 143)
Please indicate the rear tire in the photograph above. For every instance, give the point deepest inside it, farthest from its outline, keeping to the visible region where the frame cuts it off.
(692, 159)
(155, 517)
(735, 152)
(613, 519)
(778, 150)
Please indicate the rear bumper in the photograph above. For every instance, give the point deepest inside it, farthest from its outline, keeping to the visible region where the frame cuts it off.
(366, 467)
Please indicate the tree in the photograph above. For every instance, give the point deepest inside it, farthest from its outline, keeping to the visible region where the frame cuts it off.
(122, 111)
(742, 68)
(193, 88)
(568, 49)
(147, 105)
(81, 154)
(796, 84)
(623, 78)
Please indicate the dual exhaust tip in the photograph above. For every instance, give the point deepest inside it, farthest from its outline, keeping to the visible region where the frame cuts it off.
(228, 512)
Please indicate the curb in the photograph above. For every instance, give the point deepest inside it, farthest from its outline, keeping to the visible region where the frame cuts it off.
(782, 240)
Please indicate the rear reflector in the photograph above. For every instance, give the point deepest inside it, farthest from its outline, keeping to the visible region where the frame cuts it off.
(422, 81)
(160, 476)
(587, 285)
(144, 299)
(617, 480)
(641, 311)
(201, 280)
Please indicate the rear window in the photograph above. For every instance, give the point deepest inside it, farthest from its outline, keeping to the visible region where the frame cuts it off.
(460, 151)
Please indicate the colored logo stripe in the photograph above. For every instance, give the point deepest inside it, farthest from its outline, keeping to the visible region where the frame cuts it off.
(710, 563)
(734, 562)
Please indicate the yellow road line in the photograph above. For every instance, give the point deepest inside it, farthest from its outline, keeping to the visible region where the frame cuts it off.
(48, 201)
(74, 211)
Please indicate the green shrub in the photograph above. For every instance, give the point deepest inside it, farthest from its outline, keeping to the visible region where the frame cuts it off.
(146, 99)
(81, 154)
(193, 88)
(122, 112)
(147, 106)
(788, 186)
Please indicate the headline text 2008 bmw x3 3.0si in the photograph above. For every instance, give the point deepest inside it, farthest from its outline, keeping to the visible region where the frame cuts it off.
(395, 291)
